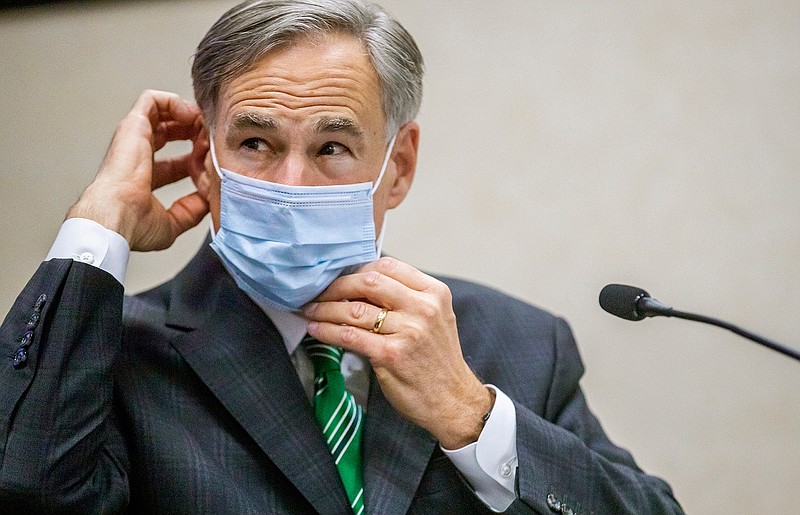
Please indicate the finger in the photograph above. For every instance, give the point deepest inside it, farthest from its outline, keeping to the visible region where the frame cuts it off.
(130, 143)
(401, 272)
(172, 130)
(133, 142)
(187, 212)
(160, 106)
(169, 170)
(357, 314)
(377, 288)
(162, 116)
(372, 346)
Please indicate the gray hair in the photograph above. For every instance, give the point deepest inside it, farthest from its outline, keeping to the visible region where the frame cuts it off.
(249, 31)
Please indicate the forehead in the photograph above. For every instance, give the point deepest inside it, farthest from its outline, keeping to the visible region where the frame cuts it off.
(300, 83)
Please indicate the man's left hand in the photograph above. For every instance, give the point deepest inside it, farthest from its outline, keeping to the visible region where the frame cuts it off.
(416, 354)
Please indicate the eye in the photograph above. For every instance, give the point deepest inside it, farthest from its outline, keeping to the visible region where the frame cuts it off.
(254, 144)
(332, 149)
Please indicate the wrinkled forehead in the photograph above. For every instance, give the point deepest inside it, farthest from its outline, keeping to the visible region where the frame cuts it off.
(330, 76)
(355, 55)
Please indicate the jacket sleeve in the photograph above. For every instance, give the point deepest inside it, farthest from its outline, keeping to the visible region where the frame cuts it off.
(567, 464)
(60, 449)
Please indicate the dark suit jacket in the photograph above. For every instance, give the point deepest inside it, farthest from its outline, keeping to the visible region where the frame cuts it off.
(184, 400)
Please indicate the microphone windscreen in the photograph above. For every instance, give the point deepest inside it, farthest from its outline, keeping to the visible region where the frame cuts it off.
(620, 300)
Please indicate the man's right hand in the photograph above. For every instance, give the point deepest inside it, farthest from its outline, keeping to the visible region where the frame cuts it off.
(121, 196)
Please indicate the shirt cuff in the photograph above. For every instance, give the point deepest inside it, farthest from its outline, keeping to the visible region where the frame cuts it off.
(490, 464)
(89, 242)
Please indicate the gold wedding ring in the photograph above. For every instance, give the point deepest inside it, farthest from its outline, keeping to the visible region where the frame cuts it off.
(379, 321)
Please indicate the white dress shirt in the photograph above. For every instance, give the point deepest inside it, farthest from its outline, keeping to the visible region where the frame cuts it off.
(489, 464)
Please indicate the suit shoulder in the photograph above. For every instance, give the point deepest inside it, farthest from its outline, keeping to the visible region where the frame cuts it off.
(472, 299)
(512, 344)
(490, 320)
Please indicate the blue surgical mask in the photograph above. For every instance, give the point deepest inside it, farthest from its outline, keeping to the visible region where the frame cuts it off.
(283, 245)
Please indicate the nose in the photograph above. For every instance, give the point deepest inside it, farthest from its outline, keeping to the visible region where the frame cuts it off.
(293, 169)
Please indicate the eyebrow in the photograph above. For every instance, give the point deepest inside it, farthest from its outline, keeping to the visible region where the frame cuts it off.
(249, 120)
(345, 125)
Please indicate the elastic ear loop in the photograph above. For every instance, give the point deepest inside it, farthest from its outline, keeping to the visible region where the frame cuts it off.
(214, 154)
(379, 243)
(216, 168)
(383, 168)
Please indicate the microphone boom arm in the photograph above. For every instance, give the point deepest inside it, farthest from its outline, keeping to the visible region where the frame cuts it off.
(632, 303)
(669, 312)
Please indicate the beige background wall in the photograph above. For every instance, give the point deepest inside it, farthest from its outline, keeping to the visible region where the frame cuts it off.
(565, 145)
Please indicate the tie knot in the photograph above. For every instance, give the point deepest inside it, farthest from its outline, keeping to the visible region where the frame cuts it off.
(324, 357)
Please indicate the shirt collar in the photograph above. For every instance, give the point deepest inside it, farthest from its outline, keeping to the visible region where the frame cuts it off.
(291, 326)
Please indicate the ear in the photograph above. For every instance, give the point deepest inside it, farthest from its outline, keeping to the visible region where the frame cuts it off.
(201, 166)
(404, 159)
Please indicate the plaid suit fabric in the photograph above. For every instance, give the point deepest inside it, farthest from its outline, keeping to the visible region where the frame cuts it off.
(163, 409)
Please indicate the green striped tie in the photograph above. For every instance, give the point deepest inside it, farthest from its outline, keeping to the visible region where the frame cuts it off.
(340, 417)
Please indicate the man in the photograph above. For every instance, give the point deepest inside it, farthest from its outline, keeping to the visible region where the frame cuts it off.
(208, 393)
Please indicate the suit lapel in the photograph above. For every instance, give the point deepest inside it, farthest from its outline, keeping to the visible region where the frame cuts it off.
(239, 355)
(396, 453)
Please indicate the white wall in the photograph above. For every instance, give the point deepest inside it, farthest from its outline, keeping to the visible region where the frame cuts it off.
(565, 145)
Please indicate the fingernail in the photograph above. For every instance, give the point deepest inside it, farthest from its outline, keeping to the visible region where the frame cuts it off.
(312, 327)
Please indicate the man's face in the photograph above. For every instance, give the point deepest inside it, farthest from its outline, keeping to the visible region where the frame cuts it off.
(310, 114)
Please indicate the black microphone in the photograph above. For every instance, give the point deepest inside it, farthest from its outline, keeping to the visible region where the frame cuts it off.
(632, 303)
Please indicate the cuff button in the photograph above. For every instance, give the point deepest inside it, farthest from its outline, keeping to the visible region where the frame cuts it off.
(553, 503)
(20, 357)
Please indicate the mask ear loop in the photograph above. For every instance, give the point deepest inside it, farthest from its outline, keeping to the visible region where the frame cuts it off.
(216, 169)
(383, 168)
(379, 243)
(214, 154)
